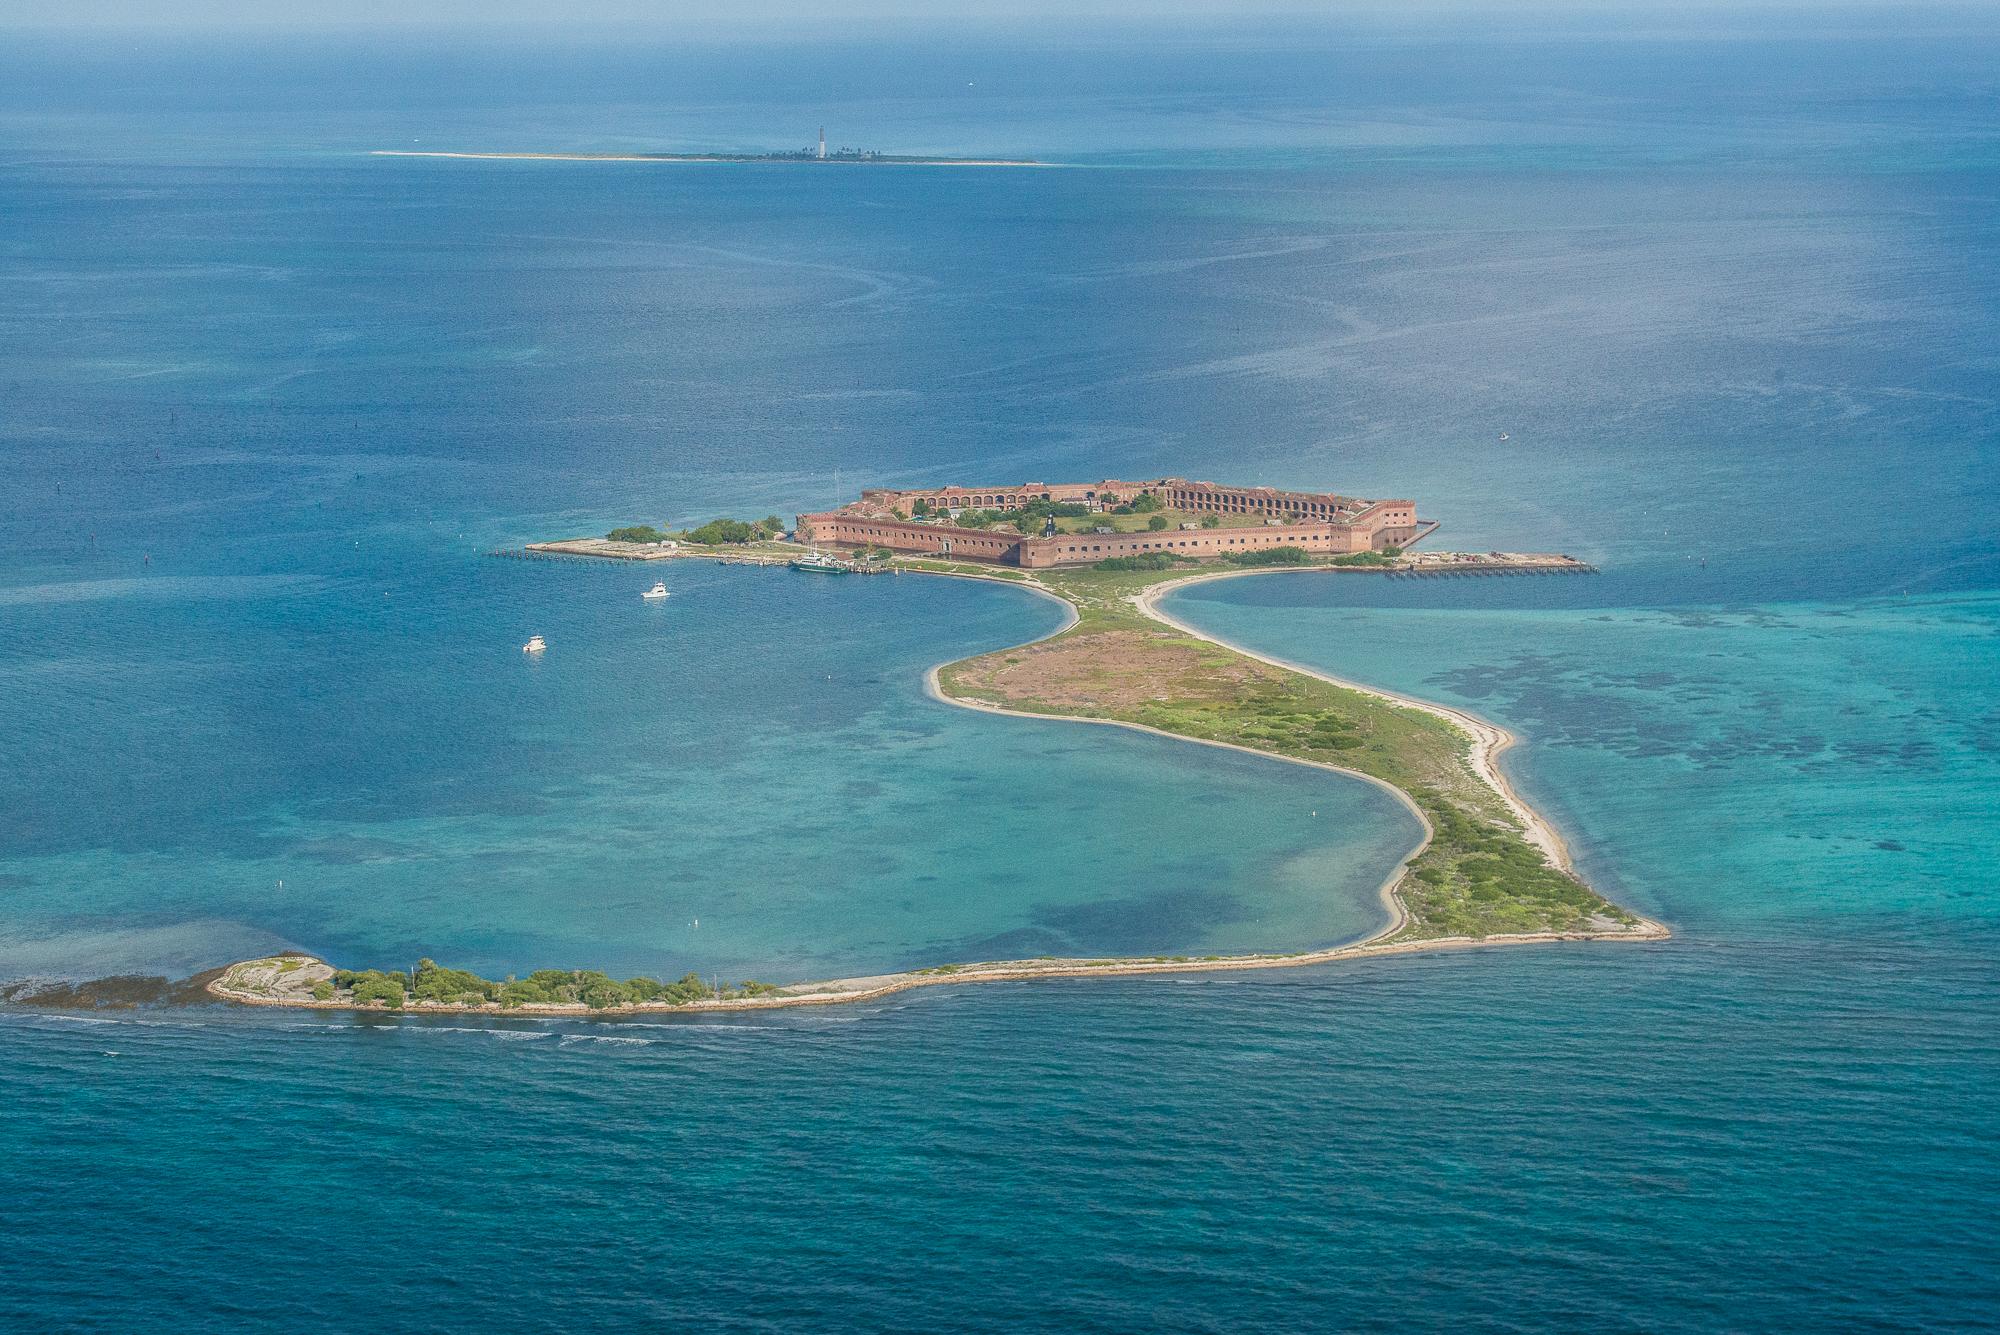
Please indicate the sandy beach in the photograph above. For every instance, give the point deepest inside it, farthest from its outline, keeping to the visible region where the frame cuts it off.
(1489, 740)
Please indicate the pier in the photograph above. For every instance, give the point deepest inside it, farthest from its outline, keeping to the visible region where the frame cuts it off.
(1455, 565)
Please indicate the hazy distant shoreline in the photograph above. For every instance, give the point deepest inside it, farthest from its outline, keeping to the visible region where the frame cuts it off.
(776, 158)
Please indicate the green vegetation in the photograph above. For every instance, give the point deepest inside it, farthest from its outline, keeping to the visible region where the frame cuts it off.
(1123, 519)
(1157, 523)
(1271, 556)
(1029, 517)
(719, 531)
(945, 566)
(1477, 877)
(1142, 504)
(597, 990)
(433, 983)
(1364, 560)
(637, 533)
(372, 985)
(1146, 561)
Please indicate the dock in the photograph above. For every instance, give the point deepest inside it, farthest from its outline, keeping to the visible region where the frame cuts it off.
(1452, 565)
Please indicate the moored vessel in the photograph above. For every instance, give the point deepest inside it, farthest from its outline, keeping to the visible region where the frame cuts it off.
(820, 563)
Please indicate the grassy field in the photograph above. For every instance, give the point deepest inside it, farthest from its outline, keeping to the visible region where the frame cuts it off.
(1478, 876)
(1138, 523)
(934, 566)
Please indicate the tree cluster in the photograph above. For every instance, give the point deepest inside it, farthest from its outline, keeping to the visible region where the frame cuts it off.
(430, 981)
(1271, 556)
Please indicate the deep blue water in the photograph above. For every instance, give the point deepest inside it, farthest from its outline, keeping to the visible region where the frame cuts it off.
(264, 402)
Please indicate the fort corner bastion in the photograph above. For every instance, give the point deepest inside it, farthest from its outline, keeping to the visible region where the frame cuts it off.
(1205, 520)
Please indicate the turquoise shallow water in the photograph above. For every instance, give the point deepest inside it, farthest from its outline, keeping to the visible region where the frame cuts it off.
(1761, 767)
(745, 779)
(265, 402)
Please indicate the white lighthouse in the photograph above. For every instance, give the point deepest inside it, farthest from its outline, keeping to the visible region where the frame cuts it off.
(822, 143)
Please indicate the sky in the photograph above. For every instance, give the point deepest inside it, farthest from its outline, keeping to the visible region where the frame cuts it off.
(668, 16)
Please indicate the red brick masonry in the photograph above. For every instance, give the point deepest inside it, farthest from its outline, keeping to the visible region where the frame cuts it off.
(1318, 522)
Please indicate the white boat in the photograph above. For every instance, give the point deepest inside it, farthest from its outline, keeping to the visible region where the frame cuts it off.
(822, 563)
(534, 645)
(659, 590)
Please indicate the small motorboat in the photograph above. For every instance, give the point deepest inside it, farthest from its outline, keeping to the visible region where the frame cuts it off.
(659, 590)
(534, 645)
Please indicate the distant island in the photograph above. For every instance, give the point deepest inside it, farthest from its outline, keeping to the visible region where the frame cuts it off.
(818, 152)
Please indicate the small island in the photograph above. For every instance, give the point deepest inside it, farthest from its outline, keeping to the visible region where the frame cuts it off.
(1489, 871)
(813, 153)
(302, 980)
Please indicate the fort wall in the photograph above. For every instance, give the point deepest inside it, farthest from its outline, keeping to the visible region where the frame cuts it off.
(1315, 521)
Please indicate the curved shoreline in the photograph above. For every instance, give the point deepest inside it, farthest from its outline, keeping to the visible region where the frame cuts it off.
(1489, 741)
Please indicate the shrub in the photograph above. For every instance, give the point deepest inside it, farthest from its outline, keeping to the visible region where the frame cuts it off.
(1145, 503)
(637, 533)
(718, 531)
(387, 989)
(322, 991)
(453, 985)
(1211, 521)
(1156, 523)
(1271, 556)
(524, 991)
(1148, 561)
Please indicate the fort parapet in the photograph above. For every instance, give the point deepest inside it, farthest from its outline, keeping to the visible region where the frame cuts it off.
(1247, 519)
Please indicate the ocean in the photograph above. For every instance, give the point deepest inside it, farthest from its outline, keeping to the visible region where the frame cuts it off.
(1731, 298)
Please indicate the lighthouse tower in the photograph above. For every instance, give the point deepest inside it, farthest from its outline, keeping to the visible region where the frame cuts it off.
(822, 143)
